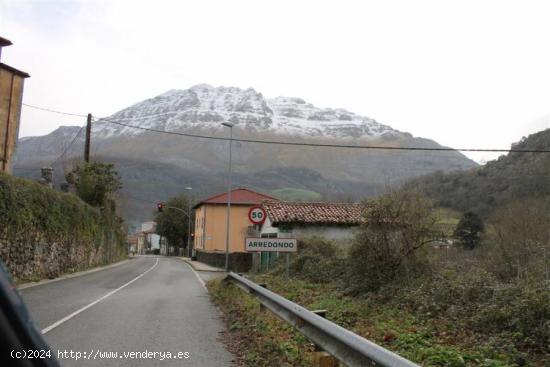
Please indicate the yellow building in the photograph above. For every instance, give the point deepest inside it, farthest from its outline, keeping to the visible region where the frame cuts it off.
(211, 225)
(11, 97)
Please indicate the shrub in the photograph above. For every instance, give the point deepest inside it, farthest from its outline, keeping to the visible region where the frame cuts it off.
(517, 242)
(452, 292)
(389, 243)
(477, 300)
(318, 260)
(95, 182)
(519, 309)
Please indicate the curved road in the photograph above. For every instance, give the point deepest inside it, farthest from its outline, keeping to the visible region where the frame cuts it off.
(150, 306)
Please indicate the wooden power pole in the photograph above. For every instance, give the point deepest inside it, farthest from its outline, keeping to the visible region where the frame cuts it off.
(88, 137)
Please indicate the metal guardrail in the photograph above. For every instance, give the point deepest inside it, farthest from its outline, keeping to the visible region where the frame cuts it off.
(349, 348)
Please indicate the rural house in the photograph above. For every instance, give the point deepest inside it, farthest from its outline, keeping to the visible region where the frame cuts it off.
(11, 98)
(334, 221)
(211, 226)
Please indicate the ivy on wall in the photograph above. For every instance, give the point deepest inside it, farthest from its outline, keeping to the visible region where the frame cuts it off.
(44, 233)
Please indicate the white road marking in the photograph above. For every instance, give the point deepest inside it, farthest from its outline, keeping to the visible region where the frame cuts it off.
(68, 317)
(197, 275)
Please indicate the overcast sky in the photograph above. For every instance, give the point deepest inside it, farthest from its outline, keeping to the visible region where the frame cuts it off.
(468, 74)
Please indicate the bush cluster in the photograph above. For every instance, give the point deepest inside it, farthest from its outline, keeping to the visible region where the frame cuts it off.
(318, 260)
(499, 289)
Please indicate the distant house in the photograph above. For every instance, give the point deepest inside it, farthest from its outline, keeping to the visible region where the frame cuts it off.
(211, 227)
(133, 241)
(334, 221)
(140, 246)
(148, 239)
(11, 98)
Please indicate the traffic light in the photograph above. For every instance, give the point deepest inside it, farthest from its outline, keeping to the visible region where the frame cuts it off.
(160, 206)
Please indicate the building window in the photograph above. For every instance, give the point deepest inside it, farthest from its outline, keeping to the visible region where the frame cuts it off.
(269, 235)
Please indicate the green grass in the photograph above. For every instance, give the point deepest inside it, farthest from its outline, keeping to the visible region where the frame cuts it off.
(292, 194)
(256, 336)
(264, 340)
(447, 220)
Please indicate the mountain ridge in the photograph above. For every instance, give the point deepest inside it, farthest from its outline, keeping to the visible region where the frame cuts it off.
(205, 106)
(154, 165)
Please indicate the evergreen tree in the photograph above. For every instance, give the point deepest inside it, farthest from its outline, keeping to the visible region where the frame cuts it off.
(468, 230)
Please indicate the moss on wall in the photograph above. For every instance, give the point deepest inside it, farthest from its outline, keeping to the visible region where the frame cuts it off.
(44, 233)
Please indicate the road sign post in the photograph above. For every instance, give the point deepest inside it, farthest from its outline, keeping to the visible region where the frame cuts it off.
(287, 266)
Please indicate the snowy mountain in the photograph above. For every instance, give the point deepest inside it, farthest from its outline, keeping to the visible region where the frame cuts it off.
(157, 166)
(205, 107)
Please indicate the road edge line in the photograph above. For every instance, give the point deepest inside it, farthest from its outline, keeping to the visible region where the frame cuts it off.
(70, 275)
(70, 316)
(201, 281)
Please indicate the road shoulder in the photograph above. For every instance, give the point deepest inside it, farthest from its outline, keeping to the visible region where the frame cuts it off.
(71, 275)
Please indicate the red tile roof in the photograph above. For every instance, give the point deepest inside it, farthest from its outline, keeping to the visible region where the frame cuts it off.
(313, 213)
(238, 196)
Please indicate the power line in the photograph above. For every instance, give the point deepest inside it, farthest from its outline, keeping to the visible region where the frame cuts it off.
(303, 144)
(125, 194)
(53, 111)
(68, 146)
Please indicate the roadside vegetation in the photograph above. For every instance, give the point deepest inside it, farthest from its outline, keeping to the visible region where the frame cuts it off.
(45, 233)
(482, 301)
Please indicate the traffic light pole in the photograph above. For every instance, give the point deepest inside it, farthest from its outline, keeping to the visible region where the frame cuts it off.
(189, 252)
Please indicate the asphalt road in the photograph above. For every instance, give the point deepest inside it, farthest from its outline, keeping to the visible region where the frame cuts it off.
(151, 306)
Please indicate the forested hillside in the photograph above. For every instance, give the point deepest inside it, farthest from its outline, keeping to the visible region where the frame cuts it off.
(482, 189)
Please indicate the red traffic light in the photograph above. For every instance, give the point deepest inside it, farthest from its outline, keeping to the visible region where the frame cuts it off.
(160, 206)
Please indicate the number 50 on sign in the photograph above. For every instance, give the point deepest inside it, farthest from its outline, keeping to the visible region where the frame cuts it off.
(256, 215)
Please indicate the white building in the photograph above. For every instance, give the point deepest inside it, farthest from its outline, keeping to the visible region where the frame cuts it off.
(151, 239)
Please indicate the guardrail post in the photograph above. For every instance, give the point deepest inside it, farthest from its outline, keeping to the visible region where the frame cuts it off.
(320, 357)
(263, 285)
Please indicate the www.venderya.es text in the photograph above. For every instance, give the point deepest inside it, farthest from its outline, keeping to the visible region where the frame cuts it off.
(97, 354)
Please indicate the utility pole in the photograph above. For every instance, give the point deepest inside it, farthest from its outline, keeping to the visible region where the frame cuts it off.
(189, 252)
(88, 137)
(230, 126)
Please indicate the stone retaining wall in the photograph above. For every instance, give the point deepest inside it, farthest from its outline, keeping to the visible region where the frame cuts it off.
(238, 261)
(44, 233)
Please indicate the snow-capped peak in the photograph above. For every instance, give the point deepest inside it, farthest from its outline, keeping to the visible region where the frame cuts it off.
(204, 106)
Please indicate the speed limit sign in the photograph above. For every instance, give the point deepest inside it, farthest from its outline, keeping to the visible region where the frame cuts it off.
(256, 214)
